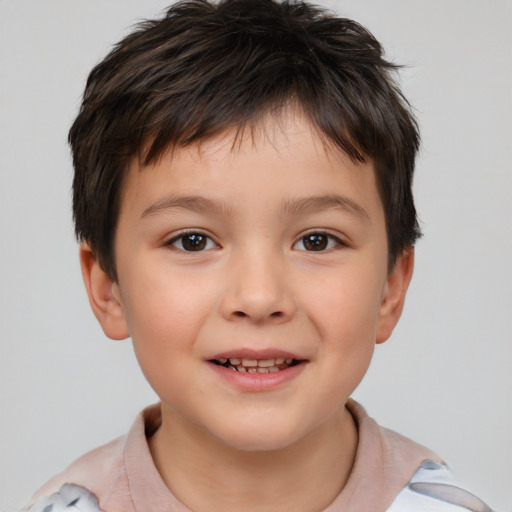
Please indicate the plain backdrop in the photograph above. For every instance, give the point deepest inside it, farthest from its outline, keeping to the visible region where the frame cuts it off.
(444, 378)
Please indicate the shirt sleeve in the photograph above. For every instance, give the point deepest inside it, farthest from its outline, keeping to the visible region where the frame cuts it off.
(432, 488)
(70, 498)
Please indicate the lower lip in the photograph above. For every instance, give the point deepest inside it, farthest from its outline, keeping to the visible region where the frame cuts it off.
(256, 382)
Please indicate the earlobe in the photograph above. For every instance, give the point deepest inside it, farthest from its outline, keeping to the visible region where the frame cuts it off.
(394, 295)
(104, 295)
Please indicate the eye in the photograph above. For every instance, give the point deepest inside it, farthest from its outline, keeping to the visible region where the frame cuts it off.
(192, 242)
(317, 242)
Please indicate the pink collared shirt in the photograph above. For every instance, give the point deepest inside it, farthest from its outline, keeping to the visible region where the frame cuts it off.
(121, 476)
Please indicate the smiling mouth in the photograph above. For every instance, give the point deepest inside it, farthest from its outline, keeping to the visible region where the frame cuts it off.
(256, 365)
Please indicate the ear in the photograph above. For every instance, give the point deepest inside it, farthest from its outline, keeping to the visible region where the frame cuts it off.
(394, 295)
(104, 296)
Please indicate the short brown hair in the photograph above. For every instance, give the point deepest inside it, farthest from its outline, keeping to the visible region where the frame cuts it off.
(206, 67)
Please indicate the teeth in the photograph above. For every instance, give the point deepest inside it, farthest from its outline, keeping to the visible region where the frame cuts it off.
(261, 363)
(255, 365)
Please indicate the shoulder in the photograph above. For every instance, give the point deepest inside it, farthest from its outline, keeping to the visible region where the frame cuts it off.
(433, 488)
(69, 498)
(100, 479)
(410, 477)
(91, 475)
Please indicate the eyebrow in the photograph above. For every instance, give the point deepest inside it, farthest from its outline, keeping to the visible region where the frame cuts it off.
(314, 204)
(193, 203)
(299, 206)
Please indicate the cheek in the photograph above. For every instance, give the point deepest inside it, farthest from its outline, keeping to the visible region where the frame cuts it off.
(346, 318)
(164, 316)
(165, 304)
(346, 307)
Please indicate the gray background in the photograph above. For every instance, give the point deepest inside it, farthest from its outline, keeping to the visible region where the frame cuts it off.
(443, 379)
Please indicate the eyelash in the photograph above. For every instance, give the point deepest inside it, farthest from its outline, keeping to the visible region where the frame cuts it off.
(332, 241)
(204, 242)
(200, 238)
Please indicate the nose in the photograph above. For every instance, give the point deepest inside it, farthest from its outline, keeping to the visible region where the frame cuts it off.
(257, 291)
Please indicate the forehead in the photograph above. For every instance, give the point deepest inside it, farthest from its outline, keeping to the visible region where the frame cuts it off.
(281, 129)
(282, 157)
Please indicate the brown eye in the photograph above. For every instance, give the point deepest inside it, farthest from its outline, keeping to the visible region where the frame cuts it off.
(315, 242)
(192, 242)
(318, 242)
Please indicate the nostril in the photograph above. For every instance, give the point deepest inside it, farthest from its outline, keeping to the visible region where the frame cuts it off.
(241, 314)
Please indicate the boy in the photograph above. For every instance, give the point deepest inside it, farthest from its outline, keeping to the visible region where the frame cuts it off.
(243, 197)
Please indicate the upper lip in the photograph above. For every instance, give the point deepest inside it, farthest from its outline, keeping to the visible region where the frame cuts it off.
(258, 354)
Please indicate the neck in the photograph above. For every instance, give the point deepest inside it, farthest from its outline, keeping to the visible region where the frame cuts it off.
(208, 475)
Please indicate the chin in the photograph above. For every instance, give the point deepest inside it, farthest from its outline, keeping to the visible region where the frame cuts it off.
(260, 438)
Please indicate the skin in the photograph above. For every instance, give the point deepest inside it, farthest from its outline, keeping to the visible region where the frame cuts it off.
(256, 285)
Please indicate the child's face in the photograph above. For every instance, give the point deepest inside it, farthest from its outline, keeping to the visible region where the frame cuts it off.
(274, 250)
